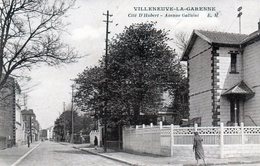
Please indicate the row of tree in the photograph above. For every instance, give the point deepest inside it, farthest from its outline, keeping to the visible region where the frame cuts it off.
(82, 125)
(130, 80)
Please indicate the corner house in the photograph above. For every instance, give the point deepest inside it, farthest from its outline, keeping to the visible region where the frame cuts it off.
(224, 83)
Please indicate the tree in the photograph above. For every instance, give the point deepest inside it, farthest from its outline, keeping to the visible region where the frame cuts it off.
(180, 101)
(30, 33)
(141, 65)
(62, 125)
(179, 104)
(181, 40)
(88, 96)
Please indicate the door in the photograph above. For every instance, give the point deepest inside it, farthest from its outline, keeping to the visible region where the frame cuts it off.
(234, 111)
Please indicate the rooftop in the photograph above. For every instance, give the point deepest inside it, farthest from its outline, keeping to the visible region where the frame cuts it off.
(220, 38)
(28, 112)
(240, 89)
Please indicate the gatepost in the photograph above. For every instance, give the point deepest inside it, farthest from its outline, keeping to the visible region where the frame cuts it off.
(242, 133)
(221, 140)
(172, 140)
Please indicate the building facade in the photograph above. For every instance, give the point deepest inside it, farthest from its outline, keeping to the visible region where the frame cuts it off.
(32, 126)
(7, 114)
(20, 131)
(222, 75)
(50, 133)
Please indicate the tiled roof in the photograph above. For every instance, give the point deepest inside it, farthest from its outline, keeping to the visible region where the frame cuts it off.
(214, 37)
(222, 37)
(241, 88)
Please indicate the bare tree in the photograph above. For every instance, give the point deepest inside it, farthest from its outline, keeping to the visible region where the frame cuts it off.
(181, 40)
(30, 33)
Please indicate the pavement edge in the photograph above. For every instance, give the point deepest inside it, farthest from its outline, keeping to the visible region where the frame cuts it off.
(135, 164)
(109, 157)
(25, 155)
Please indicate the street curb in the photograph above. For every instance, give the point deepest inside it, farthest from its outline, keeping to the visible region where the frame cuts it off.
(102, 155)
(109, 157)
(25, 155)
(136, 164)
(228, 163)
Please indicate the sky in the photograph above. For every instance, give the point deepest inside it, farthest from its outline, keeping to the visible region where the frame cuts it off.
(86, 33)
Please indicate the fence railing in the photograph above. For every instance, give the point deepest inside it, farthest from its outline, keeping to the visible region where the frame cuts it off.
(171, 135)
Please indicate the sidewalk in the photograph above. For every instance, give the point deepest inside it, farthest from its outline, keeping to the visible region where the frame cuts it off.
(11, 155)
(153, 160)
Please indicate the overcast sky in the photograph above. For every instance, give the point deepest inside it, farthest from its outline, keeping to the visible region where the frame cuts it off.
(87, 35)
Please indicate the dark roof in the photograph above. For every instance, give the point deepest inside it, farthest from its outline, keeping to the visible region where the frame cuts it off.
(28, 112)
(214, 37)
(240, 89)
(222, 37)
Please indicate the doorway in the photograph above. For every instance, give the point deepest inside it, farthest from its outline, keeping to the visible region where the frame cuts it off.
(234, 111)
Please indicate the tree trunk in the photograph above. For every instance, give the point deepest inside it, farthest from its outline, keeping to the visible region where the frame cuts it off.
(136, 109)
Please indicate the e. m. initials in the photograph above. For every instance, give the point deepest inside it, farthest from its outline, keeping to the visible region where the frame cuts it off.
(213, 14)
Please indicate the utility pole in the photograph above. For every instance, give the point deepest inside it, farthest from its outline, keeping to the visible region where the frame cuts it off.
(64, 128)
(105, 92)
(30, 126)
(72, 121)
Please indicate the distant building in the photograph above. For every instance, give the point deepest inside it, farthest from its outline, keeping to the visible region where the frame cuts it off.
(20, 131)
(174, 109)
(43, 134)
(31, 124)
(50, 133)
(224, 85)
(7, 114)
(36, 130)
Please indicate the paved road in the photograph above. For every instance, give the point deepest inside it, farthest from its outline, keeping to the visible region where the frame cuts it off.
(55, 154)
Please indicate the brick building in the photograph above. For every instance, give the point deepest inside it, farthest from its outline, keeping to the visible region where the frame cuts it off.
(223, 82)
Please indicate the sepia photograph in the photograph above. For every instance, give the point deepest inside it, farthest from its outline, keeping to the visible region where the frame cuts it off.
(129, 82)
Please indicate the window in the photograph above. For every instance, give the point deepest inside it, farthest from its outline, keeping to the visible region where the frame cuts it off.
(233, 63)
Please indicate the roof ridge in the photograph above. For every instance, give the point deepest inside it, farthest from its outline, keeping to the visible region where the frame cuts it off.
(214, 31)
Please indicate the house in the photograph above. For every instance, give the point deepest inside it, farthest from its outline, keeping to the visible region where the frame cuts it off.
(50, 133)
(44, 134)
(7, 114)
(20, 131)
(224, 85)
(31, 124)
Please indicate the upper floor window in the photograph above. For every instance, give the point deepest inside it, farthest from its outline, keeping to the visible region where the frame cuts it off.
(233, 63)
